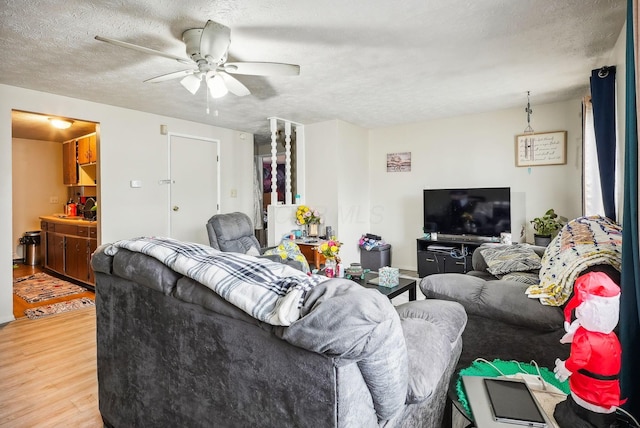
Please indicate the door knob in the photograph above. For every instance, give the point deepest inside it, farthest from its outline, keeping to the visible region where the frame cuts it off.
(176, 208)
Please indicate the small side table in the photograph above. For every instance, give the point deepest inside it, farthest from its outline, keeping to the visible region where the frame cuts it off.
(310, 252)
(453, 410)
(404, 284)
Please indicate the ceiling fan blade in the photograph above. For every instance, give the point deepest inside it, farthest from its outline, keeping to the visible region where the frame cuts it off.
(234, 85)
(143, 49)
(262, 68)
(170, 76)
(214, 42)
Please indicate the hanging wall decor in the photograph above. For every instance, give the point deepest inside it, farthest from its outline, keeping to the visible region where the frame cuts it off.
(543, 148)
(399, 162)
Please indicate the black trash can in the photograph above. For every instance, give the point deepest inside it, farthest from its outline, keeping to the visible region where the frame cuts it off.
(379, 256)
(31, 247)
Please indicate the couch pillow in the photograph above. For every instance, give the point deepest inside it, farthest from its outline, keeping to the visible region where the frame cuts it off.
(531, 278)
(514, 258)
(253, 251)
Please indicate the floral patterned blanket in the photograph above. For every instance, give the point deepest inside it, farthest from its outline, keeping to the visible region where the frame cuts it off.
(583, 242)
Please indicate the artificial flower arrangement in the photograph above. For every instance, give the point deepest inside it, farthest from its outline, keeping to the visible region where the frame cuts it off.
(330, 248)
(307, 215)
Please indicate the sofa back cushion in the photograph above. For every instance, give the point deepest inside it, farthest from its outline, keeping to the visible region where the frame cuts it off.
(136, 267)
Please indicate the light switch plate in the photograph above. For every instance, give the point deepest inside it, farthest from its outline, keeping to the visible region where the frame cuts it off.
(136, 183)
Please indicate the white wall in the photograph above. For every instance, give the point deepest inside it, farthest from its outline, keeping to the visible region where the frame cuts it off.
(353, 191)
(130, 147)
(336, 163)
(37, 177)
(470, 151)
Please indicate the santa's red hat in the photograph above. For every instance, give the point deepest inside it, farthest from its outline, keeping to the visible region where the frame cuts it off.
(591, 284)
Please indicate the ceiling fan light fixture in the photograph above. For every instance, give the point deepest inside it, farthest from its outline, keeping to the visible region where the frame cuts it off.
(217, 88)
(191, 83)
(60, 123)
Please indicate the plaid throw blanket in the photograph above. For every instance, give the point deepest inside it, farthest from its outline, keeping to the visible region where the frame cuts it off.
(583, 242)
(268, 291)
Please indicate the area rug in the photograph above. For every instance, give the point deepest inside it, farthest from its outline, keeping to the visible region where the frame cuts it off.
(58, 308)
(41, 286)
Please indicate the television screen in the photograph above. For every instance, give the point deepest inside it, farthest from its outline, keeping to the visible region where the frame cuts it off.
(474, 211)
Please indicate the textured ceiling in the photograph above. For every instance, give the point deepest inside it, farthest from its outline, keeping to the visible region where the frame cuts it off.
(372, 63)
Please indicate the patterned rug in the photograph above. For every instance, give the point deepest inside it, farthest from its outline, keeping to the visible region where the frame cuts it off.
(58, 308)
(41, 286)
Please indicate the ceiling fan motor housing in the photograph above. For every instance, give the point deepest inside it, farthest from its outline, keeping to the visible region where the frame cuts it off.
(192, 39)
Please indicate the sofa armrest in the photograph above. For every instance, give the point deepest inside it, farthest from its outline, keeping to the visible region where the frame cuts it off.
(432, 330)
(505, 301)
(448, 316)
(353, 324)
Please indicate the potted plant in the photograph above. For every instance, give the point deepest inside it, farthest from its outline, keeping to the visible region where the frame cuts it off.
(545, 227)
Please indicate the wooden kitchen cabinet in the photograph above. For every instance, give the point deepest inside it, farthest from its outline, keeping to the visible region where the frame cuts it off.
(76, 250)
(87, 152)
(69, 163)
(68, 249)
(79, 161)
(54, 256)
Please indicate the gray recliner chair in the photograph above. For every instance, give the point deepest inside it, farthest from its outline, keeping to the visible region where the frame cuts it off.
(233, 232)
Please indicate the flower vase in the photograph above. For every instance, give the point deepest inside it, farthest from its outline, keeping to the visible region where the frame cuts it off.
(312, 229)
(330, 266)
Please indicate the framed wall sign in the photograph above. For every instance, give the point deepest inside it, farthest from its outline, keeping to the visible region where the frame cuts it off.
(399, 162)
(544, 148)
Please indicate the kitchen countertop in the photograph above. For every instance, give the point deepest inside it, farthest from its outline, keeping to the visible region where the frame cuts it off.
(63, 219)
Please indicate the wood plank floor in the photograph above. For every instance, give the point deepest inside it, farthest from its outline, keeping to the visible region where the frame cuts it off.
(48, 372)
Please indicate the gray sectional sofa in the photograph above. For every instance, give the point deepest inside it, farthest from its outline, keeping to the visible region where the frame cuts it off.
(171, 352)
(503, 322)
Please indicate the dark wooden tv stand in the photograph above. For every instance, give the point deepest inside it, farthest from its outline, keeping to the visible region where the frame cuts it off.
(446, 255)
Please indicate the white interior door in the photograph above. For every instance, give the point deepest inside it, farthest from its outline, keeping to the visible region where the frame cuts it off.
(194, 189)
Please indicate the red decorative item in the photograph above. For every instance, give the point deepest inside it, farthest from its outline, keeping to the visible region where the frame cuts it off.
(593, 366)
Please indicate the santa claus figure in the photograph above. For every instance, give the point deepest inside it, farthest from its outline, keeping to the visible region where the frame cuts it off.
(594, 363)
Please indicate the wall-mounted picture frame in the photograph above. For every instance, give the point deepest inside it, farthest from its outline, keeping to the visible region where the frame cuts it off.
(399, 162)
(541, 148)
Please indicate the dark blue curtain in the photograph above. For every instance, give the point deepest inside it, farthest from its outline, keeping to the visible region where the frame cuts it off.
(603, 99)
(630, 280)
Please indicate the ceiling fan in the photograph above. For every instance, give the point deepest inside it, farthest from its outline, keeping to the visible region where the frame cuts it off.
(207, 50)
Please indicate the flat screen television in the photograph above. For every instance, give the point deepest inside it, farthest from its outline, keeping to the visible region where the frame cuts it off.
(482, 212)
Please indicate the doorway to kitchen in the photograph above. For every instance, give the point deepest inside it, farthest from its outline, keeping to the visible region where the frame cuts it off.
(51, 166)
